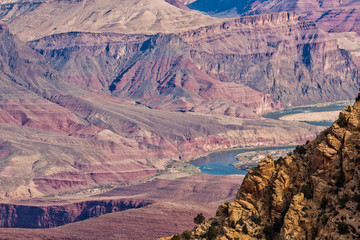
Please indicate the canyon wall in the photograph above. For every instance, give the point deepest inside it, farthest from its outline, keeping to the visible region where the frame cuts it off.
(22, 216)
(241, 67)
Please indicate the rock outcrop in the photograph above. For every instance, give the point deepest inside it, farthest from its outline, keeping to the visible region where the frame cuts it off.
(312, 193)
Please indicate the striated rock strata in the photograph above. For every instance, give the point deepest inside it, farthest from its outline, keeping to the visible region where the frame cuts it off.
(16, 216)
(173, 203)
(312, 193)
(241, 67)
(57, 137)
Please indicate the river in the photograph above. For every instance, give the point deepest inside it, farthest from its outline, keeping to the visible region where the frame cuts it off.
(220, 163)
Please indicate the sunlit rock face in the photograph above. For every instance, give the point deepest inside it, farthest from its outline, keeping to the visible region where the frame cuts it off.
(310, 193)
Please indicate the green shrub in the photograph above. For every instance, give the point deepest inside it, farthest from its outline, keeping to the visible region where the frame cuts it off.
(342, 120)
(199, 219)
(176, 237)
(186, 235)
(280, 160)
(211, 233)
(357, 97)
(300, 149)
(255, 219)
(306, 190)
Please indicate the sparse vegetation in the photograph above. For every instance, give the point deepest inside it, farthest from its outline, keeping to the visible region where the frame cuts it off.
(186, 235)
(342, 120)
(324, 203)
(357, 97)
(300, 149)
(270, 231)
(356, 199)
(343, 228)
(245, 229)
(175, 237)
(343, 200)
(306, 190)
(340, 181)
(211, 233)
(240, 221)
(325, 220)
(280, 160)
(199, 219)
(255, 219)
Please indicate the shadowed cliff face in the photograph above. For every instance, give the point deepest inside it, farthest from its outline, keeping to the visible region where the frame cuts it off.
(238, 68)
(312, 193)
(18, 216)
(143, 211)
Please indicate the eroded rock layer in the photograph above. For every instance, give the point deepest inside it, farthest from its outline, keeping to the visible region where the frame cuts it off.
(241, 67)
(16, 216)
(57, 137)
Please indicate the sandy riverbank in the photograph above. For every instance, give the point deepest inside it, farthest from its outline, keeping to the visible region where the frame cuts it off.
(329, 116)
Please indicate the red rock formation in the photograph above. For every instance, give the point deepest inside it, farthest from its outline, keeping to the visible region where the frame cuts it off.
(16, 216)
(224, 68)
(57, 137)
(174, 203)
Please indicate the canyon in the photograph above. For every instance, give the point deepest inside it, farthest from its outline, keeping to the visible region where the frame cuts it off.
(312, 192)
(102, 104)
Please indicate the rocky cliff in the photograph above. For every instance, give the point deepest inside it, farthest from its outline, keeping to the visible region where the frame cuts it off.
(22, 216)
(241, 67)
(312, 193)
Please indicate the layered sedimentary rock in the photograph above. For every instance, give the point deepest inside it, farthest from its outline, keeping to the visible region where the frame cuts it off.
(155, 209)
(331, 15)
(57, 137)
(240, 67)
(312, 193)
(16, 216)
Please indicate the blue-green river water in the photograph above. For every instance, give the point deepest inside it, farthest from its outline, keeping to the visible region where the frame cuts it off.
(220, 163)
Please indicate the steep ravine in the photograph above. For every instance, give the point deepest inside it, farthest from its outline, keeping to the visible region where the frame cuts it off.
(312, 193)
